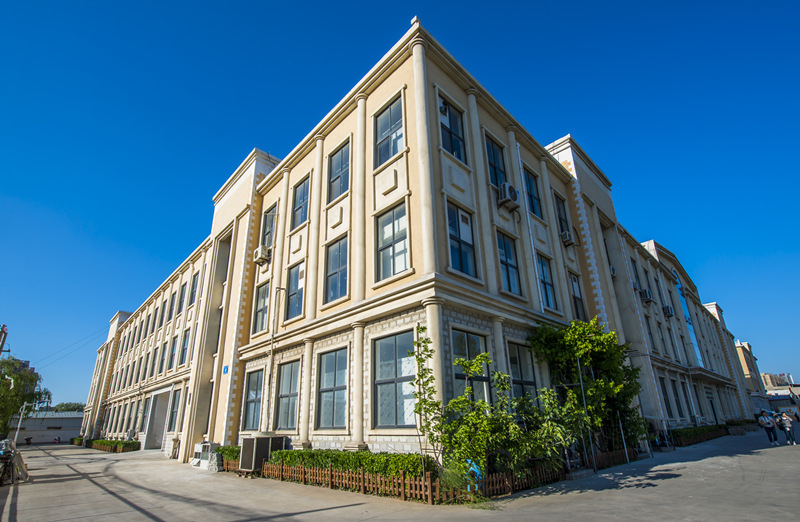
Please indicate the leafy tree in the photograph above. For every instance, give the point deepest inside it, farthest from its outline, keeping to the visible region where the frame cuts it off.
(69, 406)
(585, 351)
(25, 389)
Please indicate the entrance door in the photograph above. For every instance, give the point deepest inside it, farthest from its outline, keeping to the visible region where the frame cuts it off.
(156, 420)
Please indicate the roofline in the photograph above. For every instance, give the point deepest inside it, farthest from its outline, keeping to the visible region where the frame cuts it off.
(568, 141)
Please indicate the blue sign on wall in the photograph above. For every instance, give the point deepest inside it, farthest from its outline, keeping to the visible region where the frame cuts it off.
(225, 370)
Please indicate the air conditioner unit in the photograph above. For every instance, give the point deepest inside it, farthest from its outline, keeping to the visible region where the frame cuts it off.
(256, 449)
(566, 238)
(647, 295)
(203, 452)
(612, 270)
(669, 311)
(262, 254)
(507, 196)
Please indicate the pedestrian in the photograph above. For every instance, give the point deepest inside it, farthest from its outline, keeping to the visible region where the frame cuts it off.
(785, 423)
(768, 424)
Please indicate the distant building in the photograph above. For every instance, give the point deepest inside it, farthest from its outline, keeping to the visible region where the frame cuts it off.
(753, 382)
(772, 380)
(44, 426)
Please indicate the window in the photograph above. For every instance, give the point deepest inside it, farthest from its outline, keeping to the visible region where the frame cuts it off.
(650, 333)
(173, 414)
(452, 129)
(333, 389)
(171, 307)
(184, 347)
(661, 337)
(389, 132)
(268, 226)
(300, 204)
(392, 242)
(155, 318)
(577, 297)
(497, 165)
(462, 250)
(163, 358)
(146, 326)
(546, 281)
(686, 396)
(468, 346)
(294, 301)
(252, 401)
(523, 378)
(172, 352)
(509, 270)
(699, 403)
(145, 365)
(561, 213)
(135, 425)
(182, 299)
(124, 379)
(637, 284)
(262, 308)
(336, 271)
(288, 375)
(193, 291)
(532, 190)
(153, 365)
(666, 396)
(135, 329)
(677, 397)
(394, 370)
(163, 311)
(339, 173)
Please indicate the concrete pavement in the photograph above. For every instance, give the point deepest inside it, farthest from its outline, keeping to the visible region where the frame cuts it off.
(737, 478)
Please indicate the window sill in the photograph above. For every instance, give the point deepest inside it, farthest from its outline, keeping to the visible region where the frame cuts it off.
(471, 279)
(337, 199)
(331, 431)
(539, 219)
(392, 279)
(389, 161)
(299, 227)
(381, 432)
(516, 297)
(451, 156)
(335, 302)
(554, 311)
(293, 320)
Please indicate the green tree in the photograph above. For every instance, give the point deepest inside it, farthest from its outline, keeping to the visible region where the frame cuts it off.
(69, 406)
(25, 388)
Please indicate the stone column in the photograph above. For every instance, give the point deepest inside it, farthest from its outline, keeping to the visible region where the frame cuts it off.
(357, 375)
(313, 250)
(358, 247)
(305, 397)
(433, 318)
(484, 193)
(426, 206)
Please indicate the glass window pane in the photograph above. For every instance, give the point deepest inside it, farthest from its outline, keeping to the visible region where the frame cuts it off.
(340, 409)
(405, 404)
(341, 368)
(460, 345)
(386, 404)
(326, 410)
(328, 370)
(386, 359)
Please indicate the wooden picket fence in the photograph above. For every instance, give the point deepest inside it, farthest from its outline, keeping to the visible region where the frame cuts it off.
(230, 465)
(610, 458)
(406, 487)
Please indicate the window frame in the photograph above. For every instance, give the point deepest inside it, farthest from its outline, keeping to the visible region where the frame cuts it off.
(495, 152)
(268, 226)
(391, 244)
(173, 352)
(339, 180)
(477, 380)
(172, 306)
(394, 135)
(333, 390)
(175, 410)
(193, 288)
(446, 129)
(377, 383)
(336, 274)
(578, 307)
(251, 409)
(300, 207)
(261, 309)
(184, 347)
(532, 191)
(562, 216)
(528, 386)
(294, 290)
(162, 361)
(459, 243)
(546, 282)
(291, 366)
(508, 266)
(181, 299)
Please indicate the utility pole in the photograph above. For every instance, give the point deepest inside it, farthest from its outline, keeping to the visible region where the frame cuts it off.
(3, 335)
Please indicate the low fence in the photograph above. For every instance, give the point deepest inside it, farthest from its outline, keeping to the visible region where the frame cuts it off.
(425, 489)
(610, 458)
(230, 465)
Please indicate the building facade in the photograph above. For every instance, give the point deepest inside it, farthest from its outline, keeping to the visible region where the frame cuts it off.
(417, 201)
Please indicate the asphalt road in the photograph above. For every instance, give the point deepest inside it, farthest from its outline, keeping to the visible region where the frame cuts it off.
(733, 478)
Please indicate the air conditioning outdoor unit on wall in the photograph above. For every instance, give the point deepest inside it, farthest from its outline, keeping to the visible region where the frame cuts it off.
(669, 311)
(612, 270)
(262, 254)
(256, 449)
(566, 238)
(647, 295)
(507, 196)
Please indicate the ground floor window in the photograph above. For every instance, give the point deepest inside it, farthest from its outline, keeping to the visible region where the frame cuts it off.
(288, 377)
(394, 370)
(523, 376)
(176, 406)
(468, 346)
(333, 389)
(252, 402)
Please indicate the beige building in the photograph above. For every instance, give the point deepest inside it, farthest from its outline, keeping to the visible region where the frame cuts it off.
(417, 200)
(754, 385)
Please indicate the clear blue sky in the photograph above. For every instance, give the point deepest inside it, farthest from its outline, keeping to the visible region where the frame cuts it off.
(119, 121)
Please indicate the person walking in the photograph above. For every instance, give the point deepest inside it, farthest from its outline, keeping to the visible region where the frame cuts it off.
(785, 424)
(768, 424)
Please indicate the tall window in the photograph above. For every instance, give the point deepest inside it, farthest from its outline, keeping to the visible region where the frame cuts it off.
(182, 299)
(462, 250)
(497, 164)
(184, 347)
(135, 425)
(300, 204)
(686, 397)
(153, 363)
(523, 377)
(394, 370)
(650, 333)
(509, 269)
(468, 346)
(288, 376)
(339, 173)
(163, 358)
(176, 406)
(261, 309)
(139, 371)
(268, 226)
(135, 330)
(252, 401)
(172, 352)
(666, 397)
(677, 397)
(145, 366)
(171, 307)
(294, 301)
(452, 129)
(146, 326)
(661, 337)
(336, 271)
(389, 132)
(546, 281)
(392, 242)
(532, 190)
(193, 291)
(163, 311)
(333, 389)
(577, 297)
(561, 213)
(636, 282)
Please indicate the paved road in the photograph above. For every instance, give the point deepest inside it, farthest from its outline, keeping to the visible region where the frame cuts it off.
(734, 478)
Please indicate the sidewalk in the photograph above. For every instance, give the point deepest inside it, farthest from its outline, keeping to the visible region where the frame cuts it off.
(737, 478)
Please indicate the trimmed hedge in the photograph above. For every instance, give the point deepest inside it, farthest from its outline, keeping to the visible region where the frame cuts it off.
(740, 422)
(76, 441)
(389, 464)
(689, 436)
(115, 446)
(229, 452)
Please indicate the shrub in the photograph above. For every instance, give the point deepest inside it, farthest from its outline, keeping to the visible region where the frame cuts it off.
(687, 436)
(76, 441)
(229, 452)
(740, 422)
(381, 463)
(115, 446)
